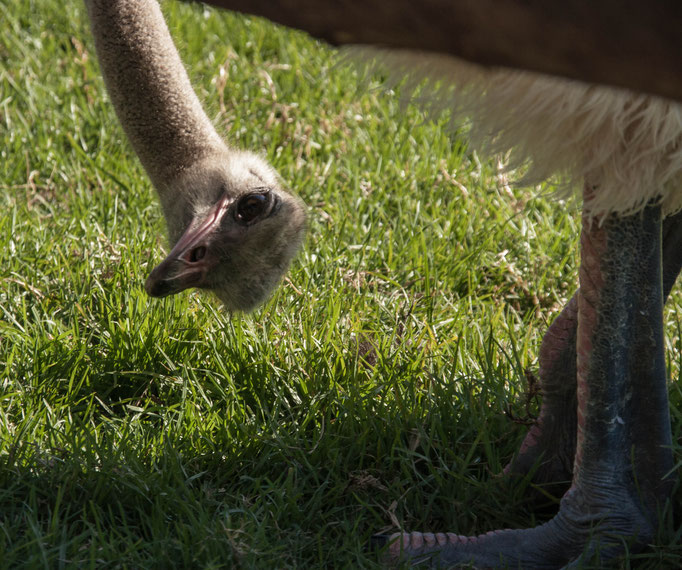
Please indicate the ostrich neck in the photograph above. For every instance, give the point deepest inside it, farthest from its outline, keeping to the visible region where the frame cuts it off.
(150, 90)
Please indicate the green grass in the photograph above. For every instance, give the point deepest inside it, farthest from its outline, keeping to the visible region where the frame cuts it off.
(371, 388)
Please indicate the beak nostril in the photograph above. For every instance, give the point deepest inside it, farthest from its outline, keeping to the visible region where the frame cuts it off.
(197, 254)
(157, 288)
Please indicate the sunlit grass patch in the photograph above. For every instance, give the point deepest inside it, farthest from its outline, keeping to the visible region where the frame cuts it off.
(372, 389)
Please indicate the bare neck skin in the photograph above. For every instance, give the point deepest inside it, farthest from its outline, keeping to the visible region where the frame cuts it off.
(150, 90)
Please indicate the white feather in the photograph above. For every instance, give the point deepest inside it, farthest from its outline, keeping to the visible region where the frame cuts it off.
(626, 146)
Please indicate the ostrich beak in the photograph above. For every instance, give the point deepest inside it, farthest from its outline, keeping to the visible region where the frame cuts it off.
(191, 259)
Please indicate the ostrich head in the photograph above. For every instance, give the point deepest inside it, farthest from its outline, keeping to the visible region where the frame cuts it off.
(234, 228)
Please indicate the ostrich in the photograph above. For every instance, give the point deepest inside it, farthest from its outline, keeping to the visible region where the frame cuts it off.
(234, 228)
(604, 419)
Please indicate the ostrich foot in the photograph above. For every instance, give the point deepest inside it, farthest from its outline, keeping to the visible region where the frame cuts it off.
(568, 539)
(623, 441)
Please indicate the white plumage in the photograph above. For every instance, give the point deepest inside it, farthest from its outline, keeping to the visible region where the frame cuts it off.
(626, 146)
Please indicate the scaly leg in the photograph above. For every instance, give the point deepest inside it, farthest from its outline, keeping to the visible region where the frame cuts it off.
(623, 434)
(548, 450)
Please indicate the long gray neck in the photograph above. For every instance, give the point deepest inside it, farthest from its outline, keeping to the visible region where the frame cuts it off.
(149, 88)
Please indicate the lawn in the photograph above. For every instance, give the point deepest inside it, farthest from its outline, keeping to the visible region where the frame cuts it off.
(372, 390)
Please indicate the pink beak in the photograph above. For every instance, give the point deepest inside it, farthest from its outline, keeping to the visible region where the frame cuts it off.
(190, 260)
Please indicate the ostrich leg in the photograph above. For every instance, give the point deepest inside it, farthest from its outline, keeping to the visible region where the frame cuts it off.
(623, 436)
(548, 450)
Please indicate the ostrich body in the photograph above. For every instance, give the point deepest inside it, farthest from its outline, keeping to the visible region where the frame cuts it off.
(233, 227)
(625, 43)
(604, 421)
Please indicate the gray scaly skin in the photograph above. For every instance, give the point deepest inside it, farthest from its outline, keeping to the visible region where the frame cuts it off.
(234, 228)
(623, 428)
(548, 450)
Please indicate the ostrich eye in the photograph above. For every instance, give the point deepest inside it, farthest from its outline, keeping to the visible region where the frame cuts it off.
(197, 254)
(252, 206)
